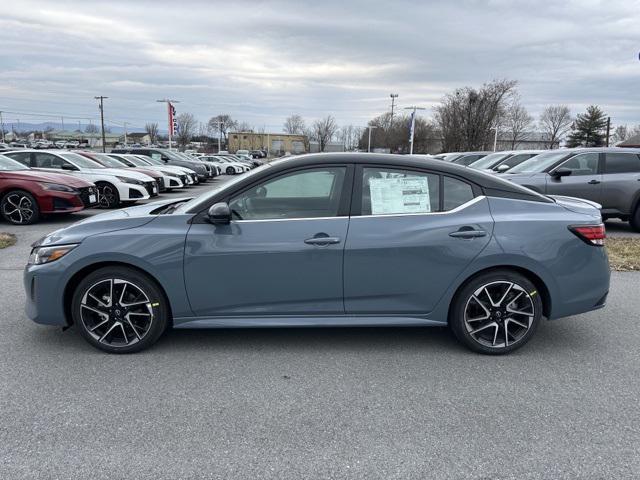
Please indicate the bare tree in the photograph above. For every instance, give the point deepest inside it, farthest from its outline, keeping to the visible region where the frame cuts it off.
(466, 116)
(152, 130)
(244, 127)
(555, 121)
(294, 125)
(394, 134)
(323, 131)
(187, 125)
(222, 123)
(517, 123)
(91, 128)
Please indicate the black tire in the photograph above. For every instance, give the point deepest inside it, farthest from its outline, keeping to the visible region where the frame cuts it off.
(634, 221)
(20, 208)
(108, 195)
(231, 171)
(490, 335)
(137, 320)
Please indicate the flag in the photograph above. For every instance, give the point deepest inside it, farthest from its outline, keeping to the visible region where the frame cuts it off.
(173, 123)
(412, 124)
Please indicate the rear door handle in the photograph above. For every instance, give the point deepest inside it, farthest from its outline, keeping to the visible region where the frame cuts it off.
(594, 182)
(322, 241)
(468, 234)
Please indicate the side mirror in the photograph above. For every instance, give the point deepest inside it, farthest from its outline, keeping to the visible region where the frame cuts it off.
(560, 172)
(219, 213)
(502, 168)
(67, 166)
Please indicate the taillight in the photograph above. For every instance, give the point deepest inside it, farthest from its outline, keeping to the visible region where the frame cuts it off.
(591, 234)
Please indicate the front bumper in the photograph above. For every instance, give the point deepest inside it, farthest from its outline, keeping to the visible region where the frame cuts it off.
(129, 192)
(44, 294)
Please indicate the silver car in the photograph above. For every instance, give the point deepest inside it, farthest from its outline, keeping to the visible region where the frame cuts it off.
(607, 176)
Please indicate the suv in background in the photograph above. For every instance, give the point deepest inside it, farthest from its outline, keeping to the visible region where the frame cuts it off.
(170, 158)
(607, 176)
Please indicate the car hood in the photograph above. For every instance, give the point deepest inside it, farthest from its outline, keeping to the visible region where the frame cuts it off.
(40, 176)
(121, 172)
(125, 218)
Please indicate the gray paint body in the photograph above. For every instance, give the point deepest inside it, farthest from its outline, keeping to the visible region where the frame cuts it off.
(386, 270)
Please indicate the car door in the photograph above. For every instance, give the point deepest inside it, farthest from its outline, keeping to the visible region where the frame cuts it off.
(620, 182)
(411, 234)
(282, 252)
(585, 180)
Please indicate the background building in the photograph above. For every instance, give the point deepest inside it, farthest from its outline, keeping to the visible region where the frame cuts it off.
(275, 143)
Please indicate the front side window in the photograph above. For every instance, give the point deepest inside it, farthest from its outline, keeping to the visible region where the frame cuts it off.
(622, 163)
(394, 191)
(309, 193)
(47, 160)
(583, 164)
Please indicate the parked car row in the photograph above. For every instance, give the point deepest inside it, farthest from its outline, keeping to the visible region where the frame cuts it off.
(36, 182)
(609, 177)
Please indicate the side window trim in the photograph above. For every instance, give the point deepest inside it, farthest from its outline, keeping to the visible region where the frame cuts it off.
(605, 160)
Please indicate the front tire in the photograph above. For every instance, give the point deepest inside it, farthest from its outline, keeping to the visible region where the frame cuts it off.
(119, 310)
(108, 194)
(20, 208)
(496, 312)
(231, 171)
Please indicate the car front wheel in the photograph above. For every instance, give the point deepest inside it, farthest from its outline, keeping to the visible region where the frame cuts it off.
(20, 208)
(496, 312)
(119, 310)
(108, 195)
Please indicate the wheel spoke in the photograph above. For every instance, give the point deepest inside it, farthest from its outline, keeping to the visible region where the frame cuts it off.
(95, 310)
(100, 302)
(99, 324)
(126, 340)
(495, 335)
(480, 329)
(486, 292)
(519, 312)
(505, 295)
(133, 327)
(513, 320)
(108, 331)
(506, 334)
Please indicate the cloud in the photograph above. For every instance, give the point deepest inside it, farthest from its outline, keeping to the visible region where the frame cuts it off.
(261, 61)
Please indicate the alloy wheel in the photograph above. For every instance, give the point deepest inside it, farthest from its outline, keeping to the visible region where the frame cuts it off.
(18, 208)
(499, 314)
(116, 312)
(107, 196)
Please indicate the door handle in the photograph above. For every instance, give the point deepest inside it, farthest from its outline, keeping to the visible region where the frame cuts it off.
(594, 182)
(462, 233)
(322, 241)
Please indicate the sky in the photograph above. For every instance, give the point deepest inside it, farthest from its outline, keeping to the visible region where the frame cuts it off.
(261, 61)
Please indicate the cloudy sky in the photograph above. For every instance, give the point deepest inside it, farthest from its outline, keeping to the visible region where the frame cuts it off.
(260, 61)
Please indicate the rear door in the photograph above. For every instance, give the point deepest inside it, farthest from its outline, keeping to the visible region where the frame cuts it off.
(411, 234)
(620, 182)
(585, 180)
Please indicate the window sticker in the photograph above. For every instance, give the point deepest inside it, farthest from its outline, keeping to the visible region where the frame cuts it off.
(399, 195)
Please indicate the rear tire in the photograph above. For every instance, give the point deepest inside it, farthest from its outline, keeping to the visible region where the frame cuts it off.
(496, 312)
(119, 310)
(19, 207)
(634, 221)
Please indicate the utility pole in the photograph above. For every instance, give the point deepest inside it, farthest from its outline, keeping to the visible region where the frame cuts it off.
(495, 138)
(369, 145)
(102, 98)
(2, 126)
(169, 103)
(608, 129)
(413, 125)
(62, 118)
(393, 104)
(125, 134)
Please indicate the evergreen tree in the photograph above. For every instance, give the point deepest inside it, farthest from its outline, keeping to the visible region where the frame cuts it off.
(589, 129)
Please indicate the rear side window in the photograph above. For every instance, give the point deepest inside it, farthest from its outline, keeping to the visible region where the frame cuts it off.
(455, 193)
(395, 191)
(22, 157)
(622, 163)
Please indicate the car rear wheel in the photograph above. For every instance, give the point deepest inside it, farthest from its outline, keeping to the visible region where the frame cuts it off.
(108, 195)
(119, 310)
(20, 208)
(635, 219)
(496, 312)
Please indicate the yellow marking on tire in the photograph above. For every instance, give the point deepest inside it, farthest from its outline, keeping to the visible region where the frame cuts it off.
(533, 293)
(155, 304)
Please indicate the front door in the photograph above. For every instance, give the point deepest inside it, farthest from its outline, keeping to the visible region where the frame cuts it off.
(281, 254)
(416, 233)
(585, 180)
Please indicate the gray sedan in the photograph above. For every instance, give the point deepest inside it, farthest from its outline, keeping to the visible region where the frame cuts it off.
(327, 240)
(607, 176)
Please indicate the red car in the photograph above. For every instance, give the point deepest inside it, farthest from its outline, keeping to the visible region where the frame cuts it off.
(27, 194)
(110, 162)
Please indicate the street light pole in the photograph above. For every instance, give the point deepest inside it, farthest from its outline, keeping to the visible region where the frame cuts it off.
(125, 134)
(101, 98)
(2, 126)
(369, 145)
(495, 138)
(413, 124)
(393, 104)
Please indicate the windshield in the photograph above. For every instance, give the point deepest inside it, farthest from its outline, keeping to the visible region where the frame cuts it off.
(135, 160)
(107, 161)
(80, 161)
(218, 187)
(6, 164)
(148, 160)
(490, 160)
(539, 163)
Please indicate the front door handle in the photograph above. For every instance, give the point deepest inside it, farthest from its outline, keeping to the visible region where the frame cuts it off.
(468, 233)
(322, 241)
(594, 182)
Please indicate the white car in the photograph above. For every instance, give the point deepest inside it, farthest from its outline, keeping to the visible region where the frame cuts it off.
(170, 179)
(226, 166)
(192, 176)
(115, 186)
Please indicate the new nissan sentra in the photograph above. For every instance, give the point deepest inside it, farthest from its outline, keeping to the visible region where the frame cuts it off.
(327, 240)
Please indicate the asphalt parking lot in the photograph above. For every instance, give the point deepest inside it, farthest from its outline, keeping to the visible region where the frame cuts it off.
(319, 403)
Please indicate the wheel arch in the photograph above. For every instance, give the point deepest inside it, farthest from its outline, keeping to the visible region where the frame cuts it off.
(77, 277)
(533, 277)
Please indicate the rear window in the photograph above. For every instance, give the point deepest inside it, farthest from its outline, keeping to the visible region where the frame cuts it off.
(456, 193)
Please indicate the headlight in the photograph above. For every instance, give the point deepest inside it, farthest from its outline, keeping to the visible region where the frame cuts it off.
(40, 255)
(57, 187)
(130, 180)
